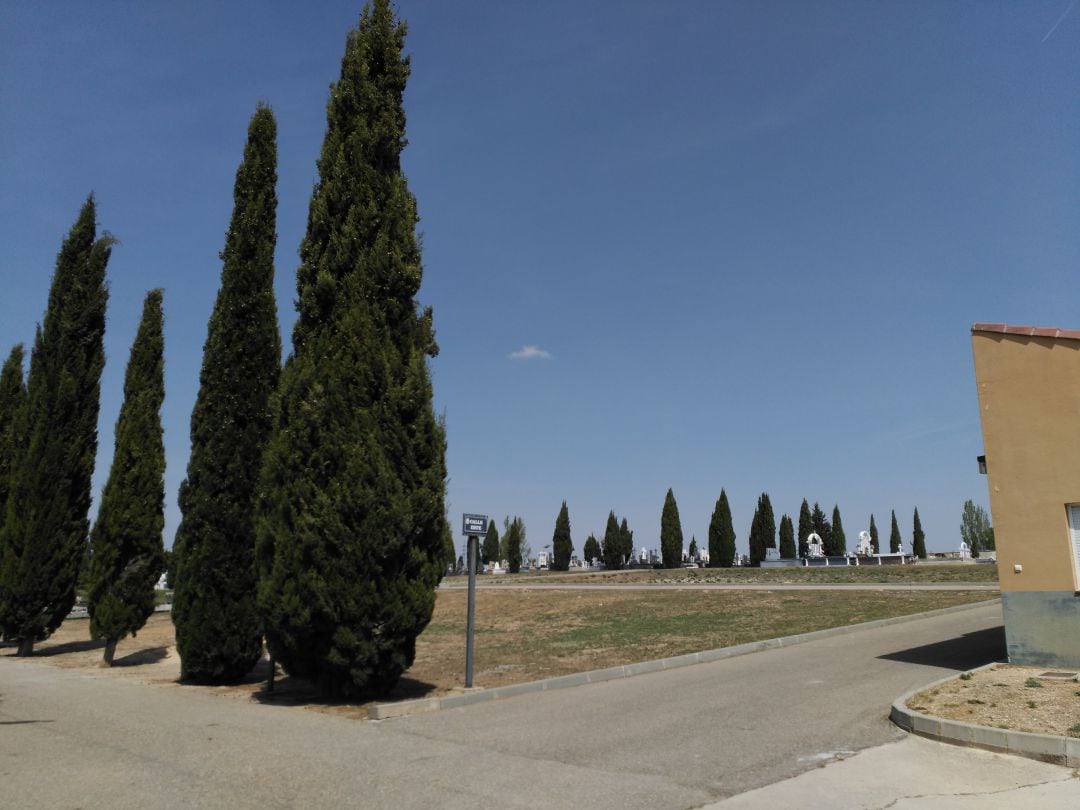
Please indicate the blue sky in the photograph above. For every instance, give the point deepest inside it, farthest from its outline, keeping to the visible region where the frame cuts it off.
(747, 239)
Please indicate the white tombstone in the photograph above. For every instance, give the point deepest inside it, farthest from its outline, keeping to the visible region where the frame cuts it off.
(865, 548)
(814, 546)
(965, 550)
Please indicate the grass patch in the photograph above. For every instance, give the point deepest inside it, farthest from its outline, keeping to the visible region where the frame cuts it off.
(1032, 683)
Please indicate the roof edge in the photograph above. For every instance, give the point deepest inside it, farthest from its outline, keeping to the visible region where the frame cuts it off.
(1027, 331)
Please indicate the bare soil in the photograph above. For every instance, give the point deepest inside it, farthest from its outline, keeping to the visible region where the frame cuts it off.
(524, 635)
(1005, 696)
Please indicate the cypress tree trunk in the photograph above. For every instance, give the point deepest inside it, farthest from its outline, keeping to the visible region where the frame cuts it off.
(110, 652)
(671, 536)
(128, 556)
(351, 528)
(43, 539)
(215, 611)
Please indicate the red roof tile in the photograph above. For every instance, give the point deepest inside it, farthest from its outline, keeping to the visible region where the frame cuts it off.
(1028, 331)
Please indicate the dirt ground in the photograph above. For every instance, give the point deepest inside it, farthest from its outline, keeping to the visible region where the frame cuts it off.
(1005, 696)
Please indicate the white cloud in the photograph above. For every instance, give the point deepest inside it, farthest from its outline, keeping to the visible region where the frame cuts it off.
(530, 353)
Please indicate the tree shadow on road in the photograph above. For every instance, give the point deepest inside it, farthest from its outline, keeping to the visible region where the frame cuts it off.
(148, 656)
(965, 652)
(68, 647)
(292, 691)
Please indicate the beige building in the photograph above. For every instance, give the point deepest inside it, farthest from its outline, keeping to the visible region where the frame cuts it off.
(1029, 401)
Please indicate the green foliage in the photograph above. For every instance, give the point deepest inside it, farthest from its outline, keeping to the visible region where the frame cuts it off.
(350, 534)
(613, 552)
(895, 544)
(592, 549)
(671, 536)
(562, 547)
(975, 528)
(626, 541)
(692, 552)
(787, 538)
(918, 539)
(43, 539)
(762, 529)
(806, 528)
(874, 536)
(218, 628)
(515, 542)
(12, 398)
(721, 534)
(127, 553)
(822, 527)
(489, 549)
(837, 540)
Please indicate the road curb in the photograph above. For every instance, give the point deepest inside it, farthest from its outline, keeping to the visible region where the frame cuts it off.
(1043, 747)
(385, 711)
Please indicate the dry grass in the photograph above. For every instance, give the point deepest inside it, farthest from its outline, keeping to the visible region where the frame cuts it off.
(1006, 696)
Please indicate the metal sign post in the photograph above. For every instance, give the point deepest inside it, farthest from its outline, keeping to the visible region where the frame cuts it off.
(472, 526)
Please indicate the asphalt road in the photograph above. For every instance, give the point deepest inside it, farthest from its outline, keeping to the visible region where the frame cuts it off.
(674, 739)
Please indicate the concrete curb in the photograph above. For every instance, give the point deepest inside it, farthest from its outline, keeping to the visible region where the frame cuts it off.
(1043, 747)
(384, 711)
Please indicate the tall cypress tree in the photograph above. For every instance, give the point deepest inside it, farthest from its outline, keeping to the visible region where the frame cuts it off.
(918, 539)
(671, 536)
(515, 541)
(692, 552)
(874, 535)
(822, 527)
(806, 528)
(762, 529)
(128, 555)
(836, 536)
(44, 534)
(612, 549)
(895, 543)
(787, 538)
(350, 538)
(626, 541)
(218, 629)
(12, 398)
(592, 549)
(721, 534)
(562, 547)
(489, 550)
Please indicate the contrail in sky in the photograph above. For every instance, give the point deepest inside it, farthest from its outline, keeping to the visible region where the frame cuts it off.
(1060, 20)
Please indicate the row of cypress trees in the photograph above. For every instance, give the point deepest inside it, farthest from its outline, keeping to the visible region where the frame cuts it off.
(48, 444)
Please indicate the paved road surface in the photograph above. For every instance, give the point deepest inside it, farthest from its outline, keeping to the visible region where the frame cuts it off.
(674, 739)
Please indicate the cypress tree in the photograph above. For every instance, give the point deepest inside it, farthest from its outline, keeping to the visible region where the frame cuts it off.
(762, 529)
(350, 534)
(218, 629)
(874, 535)
(918, 542)
(895, 544)
(515, 541)
(128, 554)
(613, 544)
(836, 536)
(693, 551)
(592, 549)
(44, 534)
(562, 547)
(787, 538)
(489, 549)
(671, 536)
(626, 542)
(806, 528)
(721, 534)
(12, 398)
(822, 527)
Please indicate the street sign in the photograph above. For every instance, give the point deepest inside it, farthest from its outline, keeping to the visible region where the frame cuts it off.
(474, 525)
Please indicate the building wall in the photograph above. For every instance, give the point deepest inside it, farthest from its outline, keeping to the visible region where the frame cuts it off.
(1029, 402)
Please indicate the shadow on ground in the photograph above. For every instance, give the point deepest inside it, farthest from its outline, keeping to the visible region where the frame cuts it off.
(963, 653)
(290, 691)
(68, 647)
(150, 656)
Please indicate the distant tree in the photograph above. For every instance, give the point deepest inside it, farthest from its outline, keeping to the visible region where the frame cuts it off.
(975, 528)
(806, 528)
(895, 544)
(170, 569)
(721, 534)
(918, 539)
(515, 543)
(219, 633)
(693, 551)
(671, 536)
(822, 527)
(762, 529)
(12, 398)
(874, 536)
(489, 550)
(836, 535)
(787, 538)
(562, 547)
(592, 549)
(45, 526)
(626, 541)
(990, 539)
(613, 544)
(127, 552)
